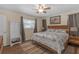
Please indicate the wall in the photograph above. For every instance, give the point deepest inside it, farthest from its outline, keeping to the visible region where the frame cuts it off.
(64, 17)
(10, 15)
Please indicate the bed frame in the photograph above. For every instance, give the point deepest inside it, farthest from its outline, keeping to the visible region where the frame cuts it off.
(66, 28)
(48, 48)
(44, 46)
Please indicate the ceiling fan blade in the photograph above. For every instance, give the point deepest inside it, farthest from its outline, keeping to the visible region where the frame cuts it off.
(47, 8)
(34, 9)
(44, 12)
(37, 12)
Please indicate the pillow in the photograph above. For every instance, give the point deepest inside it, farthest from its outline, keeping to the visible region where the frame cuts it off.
(59, 30)
(51, 30)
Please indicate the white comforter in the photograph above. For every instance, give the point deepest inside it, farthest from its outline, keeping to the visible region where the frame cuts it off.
(54, 40)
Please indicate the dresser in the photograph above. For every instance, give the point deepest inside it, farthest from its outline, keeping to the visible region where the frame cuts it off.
(1, 44)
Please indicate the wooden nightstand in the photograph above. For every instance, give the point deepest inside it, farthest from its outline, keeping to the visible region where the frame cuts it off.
(74, 40)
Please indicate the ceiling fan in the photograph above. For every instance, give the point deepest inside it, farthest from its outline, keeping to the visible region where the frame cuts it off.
(42, 8)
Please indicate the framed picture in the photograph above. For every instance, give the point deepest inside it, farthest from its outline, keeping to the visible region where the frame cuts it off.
(55, 20)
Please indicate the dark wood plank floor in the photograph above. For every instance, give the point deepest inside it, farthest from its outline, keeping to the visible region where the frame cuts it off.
(30, 48)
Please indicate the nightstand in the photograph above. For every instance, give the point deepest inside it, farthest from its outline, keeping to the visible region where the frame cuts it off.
(74, 40)
(73, 36)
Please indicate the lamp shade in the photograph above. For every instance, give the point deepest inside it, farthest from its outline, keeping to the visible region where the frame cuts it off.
(73, 29)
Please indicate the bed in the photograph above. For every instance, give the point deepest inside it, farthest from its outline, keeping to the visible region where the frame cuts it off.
(52, 38)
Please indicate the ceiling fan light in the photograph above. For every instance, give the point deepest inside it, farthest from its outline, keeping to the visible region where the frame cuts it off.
(40, 10)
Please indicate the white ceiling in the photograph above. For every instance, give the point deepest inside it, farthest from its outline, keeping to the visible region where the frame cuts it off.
(30, 8)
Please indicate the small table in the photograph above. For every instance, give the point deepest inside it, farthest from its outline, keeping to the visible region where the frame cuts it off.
(74, 40)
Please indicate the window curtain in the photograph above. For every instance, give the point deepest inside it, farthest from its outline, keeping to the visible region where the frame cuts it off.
(74, 23)
(22, 30)
(72, 20)
(77, 22)
(35, 28)
(44, 25)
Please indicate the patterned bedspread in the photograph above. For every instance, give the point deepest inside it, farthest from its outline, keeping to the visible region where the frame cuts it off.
(53, 39)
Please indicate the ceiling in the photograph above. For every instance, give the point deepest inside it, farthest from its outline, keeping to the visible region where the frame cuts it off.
(30, 8)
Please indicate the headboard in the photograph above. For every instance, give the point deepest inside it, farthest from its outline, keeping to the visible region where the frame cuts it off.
(64, 27)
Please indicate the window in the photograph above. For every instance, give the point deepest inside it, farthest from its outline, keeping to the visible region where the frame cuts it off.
(28, 23)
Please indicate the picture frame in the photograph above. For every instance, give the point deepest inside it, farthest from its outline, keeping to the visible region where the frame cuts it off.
(55, 20)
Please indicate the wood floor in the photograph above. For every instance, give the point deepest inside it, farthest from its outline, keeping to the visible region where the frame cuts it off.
(30, 48)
